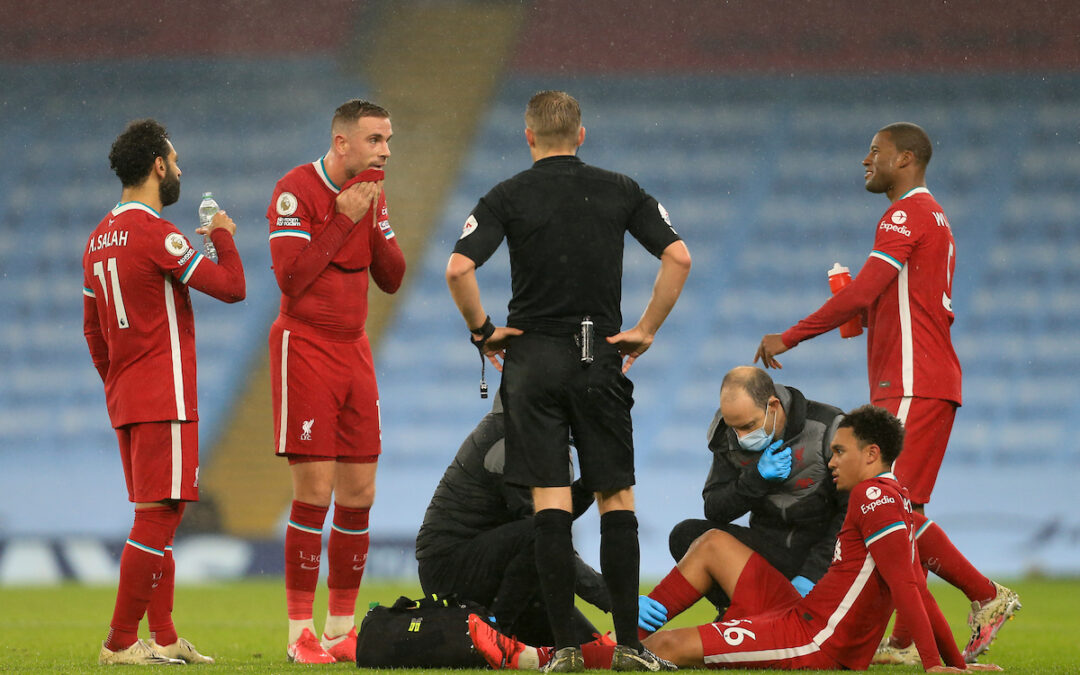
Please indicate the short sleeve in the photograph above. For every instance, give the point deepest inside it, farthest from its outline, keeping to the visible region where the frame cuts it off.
(482, 233)
(896, 237)
(650, 224)
(880, 512)
(174, 255)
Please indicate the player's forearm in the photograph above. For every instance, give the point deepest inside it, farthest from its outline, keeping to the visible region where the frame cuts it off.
(387, 263)
(893, 555)
(943, 636)
(461, 279)
(95, 340)
(853, 299)
(225, 280)
(674, 269)
(297, 266)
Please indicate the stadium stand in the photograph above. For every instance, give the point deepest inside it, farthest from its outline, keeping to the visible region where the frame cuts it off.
(758, 167)
(235, 136)
(767, 190)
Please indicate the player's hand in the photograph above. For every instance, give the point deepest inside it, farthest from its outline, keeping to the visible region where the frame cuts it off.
(775, 464)
(220, 219)
(495, 347)
(802, 585)
(770, 347)
(651, 614)
(631, 344)
(357, 199)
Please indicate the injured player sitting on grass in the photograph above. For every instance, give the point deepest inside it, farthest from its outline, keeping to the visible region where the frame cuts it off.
(769, 625)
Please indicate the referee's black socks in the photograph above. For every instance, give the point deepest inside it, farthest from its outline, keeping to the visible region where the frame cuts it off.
(555, 566)
(620, 563)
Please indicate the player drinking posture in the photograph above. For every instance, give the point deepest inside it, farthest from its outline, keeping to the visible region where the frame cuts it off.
(137, 318)
(330, 230)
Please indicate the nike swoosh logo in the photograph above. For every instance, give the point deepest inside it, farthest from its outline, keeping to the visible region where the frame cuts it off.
(358, 568)
(308, 567)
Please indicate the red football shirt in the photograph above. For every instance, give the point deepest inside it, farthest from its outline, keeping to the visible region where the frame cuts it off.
(851, 605)
(322, 259)
(137, 314)
(909, 348)
(906, 289)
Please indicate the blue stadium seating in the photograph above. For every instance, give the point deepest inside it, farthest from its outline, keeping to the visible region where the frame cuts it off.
(238, 126)
(761, 175)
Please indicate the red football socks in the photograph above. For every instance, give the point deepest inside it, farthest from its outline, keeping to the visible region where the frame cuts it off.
(159, 611)
(596, 654)
(675, 593)
(303, 553)
(938, 554)
(347, 551)
(140, 569)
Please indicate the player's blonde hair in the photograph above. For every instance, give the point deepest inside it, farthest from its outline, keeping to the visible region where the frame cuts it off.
(554, 117)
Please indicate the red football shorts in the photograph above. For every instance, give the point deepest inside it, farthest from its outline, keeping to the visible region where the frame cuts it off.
(927, 425)
(772, 634)
(161, 460)
(326, 402)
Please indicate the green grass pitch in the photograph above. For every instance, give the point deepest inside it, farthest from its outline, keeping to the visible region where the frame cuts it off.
(59, 629)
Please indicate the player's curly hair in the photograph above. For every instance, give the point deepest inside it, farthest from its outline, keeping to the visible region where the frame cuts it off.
(873, 425)
(133, 152)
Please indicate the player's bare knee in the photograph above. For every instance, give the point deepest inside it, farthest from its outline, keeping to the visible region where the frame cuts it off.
(615, 500)
(673, 646)
(355, 496)
(713, 543)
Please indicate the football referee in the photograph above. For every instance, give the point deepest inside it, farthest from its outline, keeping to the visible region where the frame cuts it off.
(562, 352)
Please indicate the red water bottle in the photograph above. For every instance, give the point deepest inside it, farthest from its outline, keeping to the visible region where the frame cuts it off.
(838, 278)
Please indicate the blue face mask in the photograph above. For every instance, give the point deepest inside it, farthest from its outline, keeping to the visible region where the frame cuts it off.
(757, 440)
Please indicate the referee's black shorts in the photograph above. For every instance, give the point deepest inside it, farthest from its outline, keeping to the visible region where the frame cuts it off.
(547, 395)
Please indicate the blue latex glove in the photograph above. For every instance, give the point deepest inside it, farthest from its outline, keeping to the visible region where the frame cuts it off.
(775, 466)
(651, 614)
(802, 585)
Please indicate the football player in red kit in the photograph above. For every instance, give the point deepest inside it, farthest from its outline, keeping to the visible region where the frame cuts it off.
(330, 230)
(138, 323)
(905, 289)
(838, 624)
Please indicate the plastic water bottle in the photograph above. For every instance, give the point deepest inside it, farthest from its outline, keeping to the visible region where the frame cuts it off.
(207, 208)
(839, 277)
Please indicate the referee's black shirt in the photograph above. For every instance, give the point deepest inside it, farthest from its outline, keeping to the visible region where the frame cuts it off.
(565, 222)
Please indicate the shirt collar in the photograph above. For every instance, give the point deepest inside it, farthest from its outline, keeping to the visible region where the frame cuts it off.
(915, 191)
(320, 168)
(121, 207)
(558, 159)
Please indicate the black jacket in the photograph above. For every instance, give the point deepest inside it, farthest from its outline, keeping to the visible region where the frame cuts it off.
(805, 509)
(472, 498)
